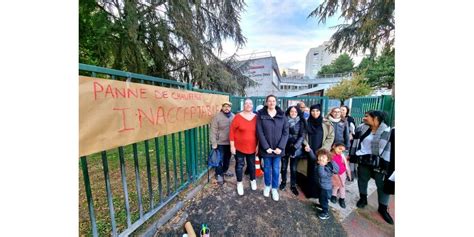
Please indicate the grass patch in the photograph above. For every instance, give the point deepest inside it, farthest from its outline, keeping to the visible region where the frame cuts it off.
(168, 165)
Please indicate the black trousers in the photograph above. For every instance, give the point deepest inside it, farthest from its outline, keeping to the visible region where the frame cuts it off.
(284, 168)
(224, 165)
(240, 162)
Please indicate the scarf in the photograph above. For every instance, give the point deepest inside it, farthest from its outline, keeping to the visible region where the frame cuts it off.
(334, 120)
(380, 141)
(293, 121)
(314, 122)
(227, 114)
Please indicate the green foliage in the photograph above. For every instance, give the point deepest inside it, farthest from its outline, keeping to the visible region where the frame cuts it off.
(349, 88)
(380, 71)
(170, 39)
(283, 74)
(341, 64)
(367, 24)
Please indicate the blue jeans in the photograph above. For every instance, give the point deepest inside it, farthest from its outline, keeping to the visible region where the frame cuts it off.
(323, 199)
(271, 171)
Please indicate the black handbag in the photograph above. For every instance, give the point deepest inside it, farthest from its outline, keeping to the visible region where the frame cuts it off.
(368, 160)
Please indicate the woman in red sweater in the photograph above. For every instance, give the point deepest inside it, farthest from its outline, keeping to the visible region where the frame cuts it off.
(243, 144)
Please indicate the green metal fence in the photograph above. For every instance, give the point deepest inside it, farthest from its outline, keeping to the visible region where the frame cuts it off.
(124, 187)
(360, 105)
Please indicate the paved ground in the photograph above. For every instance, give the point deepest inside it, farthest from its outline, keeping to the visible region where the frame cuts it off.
(228, 214)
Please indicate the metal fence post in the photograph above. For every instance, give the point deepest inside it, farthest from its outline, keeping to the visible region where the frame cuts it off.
(90, 202)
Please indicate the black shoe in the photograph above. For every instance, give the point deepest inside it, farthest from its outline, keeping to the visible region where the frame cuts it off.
(333, 199)
(342, 203)
(294, 190)
(323, 216)
(282, 185)
(362, 201)
(384, 213)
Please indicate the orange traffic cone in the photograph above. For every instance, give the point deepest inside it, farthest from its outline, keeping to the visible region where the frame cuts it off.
(258, 169)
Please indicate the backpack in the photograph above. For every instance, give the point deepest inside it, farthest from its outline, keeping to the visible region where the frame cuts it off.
(214, 158)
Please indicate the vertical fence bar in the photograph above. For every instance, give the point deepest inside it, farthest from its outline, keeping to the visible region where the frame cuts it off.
(137, 179)
(181, 157)
(158, 169)
(124, 185)
(326, 105)
(167, 166)
(198, 161)
(194, 151)
(173, 144)
(148, 172)
(189, 156)
(207, 139)
(90, 202)
(109, 193)
(201, 145)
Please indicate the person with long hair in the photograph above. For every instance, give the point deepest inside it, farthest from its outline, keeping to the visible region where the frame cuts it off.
(294, 150)
(272, 133)
(345, 115)
(371, 148)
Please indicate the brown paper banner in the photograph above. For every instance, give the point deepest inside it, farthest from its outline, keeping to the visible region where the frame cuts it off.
(115, 113)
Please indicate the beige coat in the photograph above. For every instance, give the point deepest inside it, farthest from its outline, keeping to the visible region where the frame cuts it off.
(220, 126)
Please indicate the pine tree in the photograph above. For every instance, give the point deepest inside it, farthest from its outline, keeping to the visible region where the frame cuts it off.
(367, 25)
(175, 40)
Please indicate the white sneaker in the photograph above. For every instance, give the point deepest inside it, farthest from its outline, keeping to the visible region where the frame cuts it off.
(240, 188)
(275, 195)
(253, 184)
(266, 191)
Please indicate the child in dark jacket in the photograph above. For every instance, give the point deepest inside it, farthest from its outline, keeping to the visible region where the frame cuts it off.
(324, 170)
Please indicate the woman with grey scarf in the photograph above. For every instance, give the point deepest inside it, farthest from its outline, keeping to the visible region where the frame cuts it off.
(293, 148)
(371, 149)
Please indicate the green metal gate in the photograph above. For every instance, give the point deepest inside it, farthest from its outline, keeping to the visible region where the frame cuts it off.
(137, 180)
(385, 103)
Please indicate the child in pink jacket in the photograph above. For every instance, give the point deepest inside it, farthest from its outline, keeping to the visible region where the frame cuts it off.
(338, 184)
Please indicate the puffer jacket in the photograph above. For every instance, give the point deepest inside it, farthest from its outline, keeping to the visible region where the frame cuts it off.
(295, 138)
(272, 132)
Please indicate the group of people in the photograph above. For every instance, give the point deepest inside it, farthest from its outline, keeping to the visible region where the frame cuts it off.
(333, 147)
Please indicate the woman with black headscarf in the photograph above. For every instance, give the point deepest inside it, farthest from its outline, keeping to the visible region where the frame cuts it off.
(320, 134)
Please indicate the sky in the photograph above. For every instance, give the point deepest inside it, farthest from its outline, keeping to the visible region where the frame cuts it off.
(282, 27)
